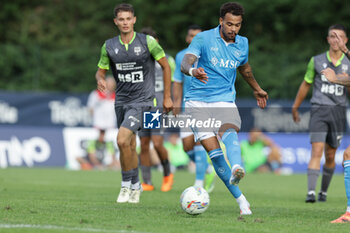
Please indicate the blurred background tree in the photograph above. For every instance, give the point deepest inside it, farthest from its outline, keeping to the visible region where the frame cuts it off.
(54, 45)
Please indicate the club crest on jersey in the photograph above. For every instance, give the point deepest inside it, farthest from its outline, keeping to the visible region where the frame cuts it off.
(116, 50)
(137, 50)
(344, 68)
(214, 61)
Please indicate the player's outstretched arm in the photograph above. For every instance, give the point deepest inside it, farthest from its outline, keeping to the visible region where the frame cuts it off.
(167, 102)
(186, 68)
(260, 95)
(101, 79)
(342, 79)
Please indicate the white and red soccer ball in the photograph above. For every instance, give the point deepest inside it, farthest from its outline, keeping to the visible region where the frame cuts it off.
(194, 200)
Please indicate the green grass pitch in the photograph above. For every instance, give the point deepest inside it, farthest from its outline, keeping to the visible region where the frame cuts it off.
(57, 200)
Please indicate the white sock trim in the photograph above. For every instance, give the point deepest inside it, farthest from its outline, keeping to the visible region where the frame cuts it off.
(241, 199)
(198, 183)
(312, 192)
(126, 184)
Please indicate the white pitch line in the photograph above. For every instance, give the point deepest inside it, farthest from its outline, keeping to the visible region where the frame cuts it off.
(52, 227)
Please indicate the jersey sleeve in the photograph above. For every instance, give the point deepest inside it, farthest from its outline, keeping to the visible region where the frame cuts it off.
(103, 63)
(172, 65)
(246, 52)
(178, 76)
(195, 47)
(310, 72)
(154, 48)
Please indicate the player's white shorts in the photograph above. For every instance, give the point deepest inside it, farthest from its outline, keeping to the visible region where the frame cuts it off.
(185, 133)
(211, 116)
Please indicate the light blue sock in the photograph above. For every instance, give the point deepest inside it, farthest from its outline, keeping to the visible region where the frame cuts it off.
(223, 171)
(190, 154)
(347, 179)
(233, 149)
(200, 155)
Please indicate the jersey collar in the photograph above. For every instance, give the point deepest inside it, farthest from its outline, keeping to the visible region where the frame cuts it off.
(127, 45)
(339, 60)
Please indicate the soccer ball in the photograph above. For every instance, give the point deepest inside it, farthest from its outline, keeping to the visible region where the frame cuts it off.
(194, 200)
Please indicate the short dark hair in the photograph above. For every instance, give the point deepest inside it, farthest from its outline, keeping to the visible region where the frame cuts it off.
(123, 7)
(149, 31)
(194, 27)
(231, 7)
(338, 27)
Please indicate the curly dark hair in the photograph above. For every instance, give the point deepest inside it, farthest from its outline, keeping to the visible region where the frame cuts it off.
(231, 7)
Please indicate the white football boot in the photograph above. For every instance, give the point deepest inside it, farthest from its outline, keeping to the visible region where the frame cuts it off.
(237, 174)
(135, 195)
(124, 195)
(245, 208)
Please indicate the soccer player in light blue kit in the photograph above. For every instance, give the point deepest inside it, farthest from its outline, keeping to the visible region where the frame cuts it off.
(220, 52)
(195, 151)
(343, 79)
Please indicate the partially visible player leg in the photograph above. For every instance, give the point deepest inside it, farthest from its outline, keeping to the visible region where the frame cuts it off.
(327, 173)
(129, 163)
(345, 218)
(168, 178)
(222, 169)
(145, 163)
(136, 187)
(313, 170)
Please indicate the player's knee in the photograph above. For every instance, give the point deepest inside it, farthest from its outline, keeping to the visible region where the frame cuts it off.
(347, 153)
(122, 142)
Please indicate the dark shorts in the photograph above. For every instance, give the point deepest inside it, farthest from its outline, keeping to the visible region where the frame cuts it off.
(327, 124)
(130, 116)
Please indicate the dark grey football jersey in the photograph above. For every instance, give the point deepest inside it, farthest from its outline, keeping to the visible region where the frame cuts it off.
(325, 92)
(133, 70)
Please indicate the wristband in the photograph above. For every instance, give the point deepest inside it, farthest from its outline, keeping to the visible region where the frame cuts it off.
(190, 71)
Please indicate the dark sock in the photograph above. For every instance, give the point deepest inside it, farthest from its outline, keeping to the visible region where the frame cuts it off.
(327, 175)
(312, 176)
(127, 175)
(135, 176)
(166, 167)
(146, 174)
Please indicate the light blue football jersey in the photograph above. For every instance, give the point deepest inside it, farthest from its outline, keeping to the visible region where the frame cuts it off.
(220, 61)
(181, 77)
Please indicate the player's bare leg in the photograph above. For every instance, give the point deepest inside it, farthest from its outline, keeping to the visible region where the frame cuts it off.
(327, 172)
(130, 190)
